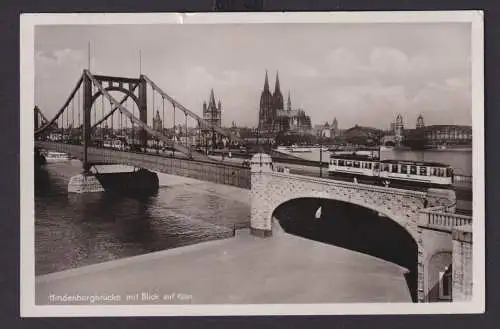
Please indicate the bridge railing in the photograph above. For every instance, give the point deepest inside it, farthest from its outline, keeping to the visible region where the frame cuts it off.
(352, 185)
(462, 180)
(221, 173)
(442, 220)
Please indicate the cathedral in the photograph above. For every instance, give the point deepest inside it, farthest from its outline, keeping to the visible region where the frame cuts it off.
(274, 118)
(270, 103)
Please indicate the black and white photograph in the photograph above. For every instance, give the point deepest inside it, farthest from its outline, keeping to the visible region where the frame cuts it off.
(252, 163)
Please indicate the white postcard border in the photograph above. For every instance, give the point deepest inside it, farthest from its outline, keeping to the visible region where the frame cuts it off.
(27, 69)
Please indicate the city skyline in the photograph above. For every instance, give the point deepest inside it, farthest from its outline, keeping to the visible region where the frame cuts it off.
(361, 74)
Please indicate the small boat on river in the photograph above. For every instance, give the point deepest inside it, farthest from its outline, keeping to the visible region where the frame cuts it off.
(55, 157)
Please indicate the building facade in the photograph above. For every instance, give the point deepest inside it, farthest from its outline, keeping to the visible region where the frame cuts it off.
(448, 134)
(274, 118)
(212, 113)
(437, 135)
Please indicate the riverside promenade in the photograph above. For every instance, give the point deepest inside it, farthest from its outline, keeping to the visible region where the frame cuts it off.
(239, 270)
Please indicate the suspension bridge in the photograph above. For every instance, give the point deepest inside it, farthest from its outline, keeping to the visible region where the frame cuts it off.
(93, 117)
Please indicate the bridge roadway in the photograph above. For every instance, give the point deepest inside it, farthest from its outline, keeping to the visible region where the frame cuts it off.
(463, 192)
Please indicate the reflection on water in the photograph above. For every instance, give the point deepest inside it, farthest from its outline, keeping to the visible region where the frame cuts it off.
(73, 230)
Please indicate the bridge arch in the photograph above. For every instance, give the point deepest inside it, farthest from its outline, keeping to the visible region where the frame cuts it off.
(353, 226)
(126, 91)
(402, 219)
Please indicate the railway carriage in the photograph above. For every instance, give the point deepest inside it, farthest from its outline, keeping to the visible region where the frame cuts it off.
(393, 172)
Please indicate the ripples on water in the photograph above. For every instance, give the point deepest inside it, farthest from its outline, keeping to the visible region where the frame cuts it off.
(73, 230)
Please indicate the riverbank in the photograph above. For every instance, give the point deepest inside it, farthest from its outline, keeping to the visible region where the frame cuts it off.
(239, 270)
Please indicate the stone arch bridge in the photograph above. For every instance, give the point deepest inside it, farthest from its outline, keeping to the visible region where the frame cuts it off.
(427, 216)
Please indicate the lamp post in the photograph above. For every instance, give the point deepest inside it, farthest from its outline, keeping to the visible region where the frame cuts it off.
(321, 156)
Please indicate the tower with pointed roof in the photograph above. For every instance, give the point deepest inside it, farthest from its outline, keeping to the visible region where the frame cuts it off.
(277, 96)
(289, 103)
(157, 122)
(420, 122)
(399, 129)
(212, 112)
(266, 117)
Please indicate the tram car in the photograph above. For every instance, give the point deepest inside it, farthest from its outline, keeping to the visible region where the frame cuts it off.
(391, 172)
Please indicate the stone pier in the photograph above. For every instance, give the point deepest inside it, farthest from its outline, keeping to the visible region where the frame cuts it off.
(462, 263)
(138, 181)
(85, 183)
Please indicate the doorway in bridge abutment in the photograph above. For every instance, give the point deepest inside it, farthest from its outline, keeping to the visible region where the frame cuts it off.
(352, 227)
(439, 277)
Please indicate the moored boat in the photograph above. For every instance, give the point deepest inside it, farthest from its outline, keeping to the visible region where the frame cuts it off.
(54, 157)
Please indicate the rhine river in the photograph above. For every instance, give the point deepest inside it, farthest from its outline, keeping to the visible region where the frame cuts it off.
(73, 230)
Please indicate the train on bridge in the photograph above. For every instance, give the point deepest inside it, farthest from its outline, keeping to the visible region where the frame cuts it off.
(391, 172)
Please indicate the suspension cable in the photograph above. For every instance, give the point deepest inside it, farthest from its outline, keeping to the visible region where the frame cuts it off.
(79, 107)
(94, 108)
(133, 126)
(121, 123)
(72, 115)
(102, 111)
(112, 119)
(173, 136)
(67, 121)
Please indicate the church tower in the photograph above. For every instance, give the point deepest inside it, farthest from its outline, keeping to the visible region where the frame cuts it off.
(211, 111)
(277, 96)
(266, 108)
(289, 103)
(420, 122)
(399, 129)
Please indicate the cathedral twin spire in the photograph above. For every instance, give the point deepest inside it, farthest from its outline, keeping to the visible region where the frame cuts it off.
(276, 85)
(270, 104)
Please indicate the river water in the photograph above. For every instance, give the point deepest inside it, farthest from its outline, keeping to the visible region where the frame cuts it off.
(73, 230)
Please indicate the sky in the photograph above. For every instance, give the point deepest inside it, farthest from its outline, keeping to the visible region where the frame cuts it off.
(359, 73)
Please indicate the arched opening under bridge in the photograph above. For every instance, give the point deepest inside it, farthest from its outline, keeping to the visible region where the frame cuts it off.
(352, 227)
